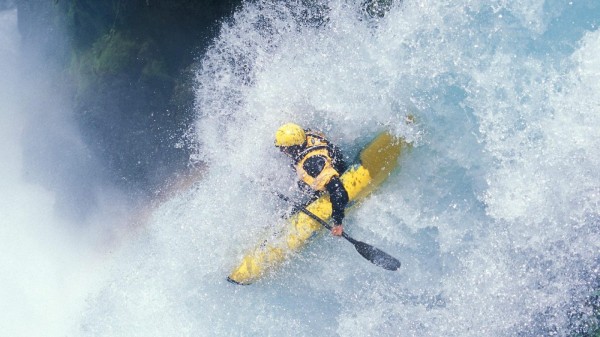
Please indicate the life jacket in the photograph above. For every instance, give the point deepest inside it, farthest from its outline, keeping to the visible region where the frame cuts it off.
(316, 145)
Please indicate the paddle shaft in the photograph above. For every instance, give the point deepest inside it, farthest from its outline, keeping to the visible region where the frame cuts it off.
(367, 251)
(314, 217)
(326, 225)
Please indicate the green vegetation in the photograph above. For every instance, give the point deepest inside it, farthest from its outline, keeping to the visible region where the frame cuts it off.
(128, 63)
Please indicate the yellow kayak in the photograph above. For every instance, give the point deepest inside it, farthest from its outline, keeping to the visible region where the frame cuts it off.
(376, 162)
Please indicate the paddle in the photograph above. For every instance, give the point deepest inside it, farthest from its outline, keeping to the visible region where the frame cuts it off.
(375, 255)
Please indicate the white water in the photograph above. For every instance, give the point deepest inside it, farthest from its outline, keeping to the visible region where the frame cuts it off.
(494, 213)
(49, 264)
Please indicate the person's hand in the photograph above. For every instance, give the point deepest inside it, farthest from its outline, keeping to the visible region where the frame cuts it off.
(337, 230)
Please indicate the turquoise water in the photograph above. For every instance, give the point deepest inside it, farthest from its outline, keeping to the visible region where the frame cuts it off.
(494, 213)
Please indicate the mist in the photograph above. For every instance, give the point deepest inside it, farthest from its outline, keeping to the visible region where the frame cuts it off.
(58, 217)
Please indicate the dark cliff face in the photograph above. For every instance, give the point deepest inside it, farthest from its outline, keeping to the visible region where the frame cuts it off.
(125, 69)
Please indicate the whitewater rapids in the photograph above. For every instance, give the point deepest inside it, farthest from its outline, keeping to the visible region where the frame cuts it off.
(494, 213)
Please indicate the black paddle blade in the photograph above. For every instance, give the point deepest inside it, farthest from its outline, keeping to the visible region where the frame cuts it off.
(377, 256)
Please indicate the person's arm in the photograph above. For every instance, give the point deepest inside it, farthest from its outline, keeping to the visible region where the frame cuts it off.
(339, 200)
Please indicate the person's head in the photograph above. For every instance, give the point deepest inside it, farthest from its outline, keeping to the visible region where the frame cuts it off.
(290, 139)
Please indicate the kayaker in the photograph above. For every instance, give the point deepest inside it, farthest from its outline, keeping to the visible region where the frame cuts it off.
(318, 164)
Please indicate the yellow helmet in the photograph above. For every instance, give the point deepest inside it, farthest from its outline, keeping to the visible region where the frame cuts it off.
(290, 134)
